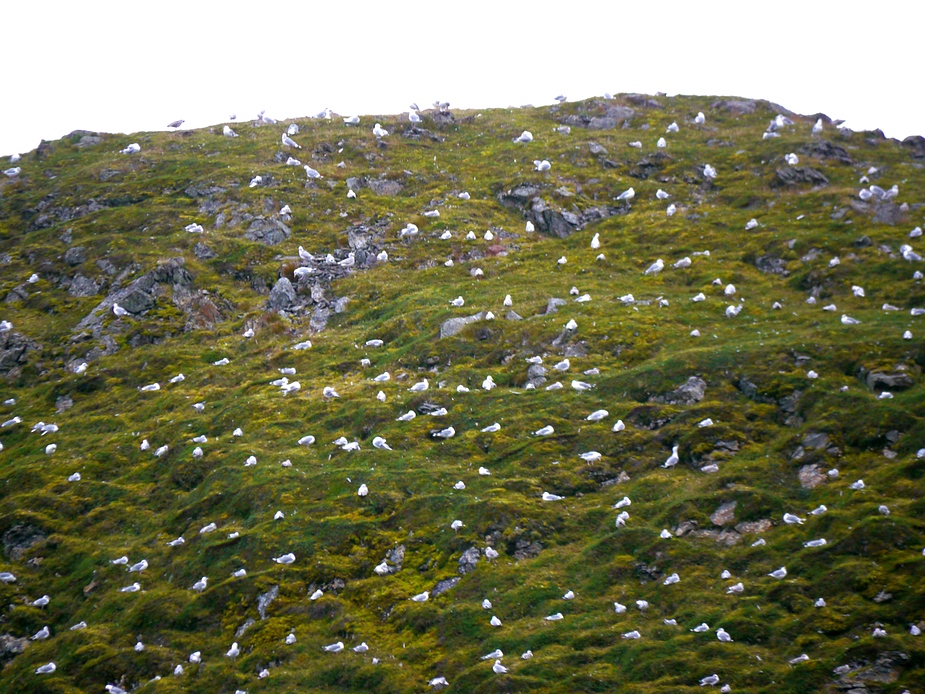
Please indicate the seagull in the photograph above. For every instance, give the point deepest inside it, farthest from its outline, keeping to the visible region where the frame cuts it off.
(379, 442)
(289, 142)
(525, 136)
(140, 566)
(491, 553)
(419, 387)
(311, 173)
(438, 682)
(737, 588)
(133, 148)
(684, 262)
(709, 171)
(662, 143)
(285, 559)
(819, 511)
(817, 128)
(544, 431)
(447, 433)
(494, 621)
(632, 635)
(554, 617)
(492, 428)
(790, 519)
(792, 159)
(413, 117)
(456, 525)
(723, 635)
(672, 579)
(351, 120)
(701, 629)
(857, 485)
(201, 584)
(484, 471)
(779, 573)
(329, 392)
(458, 302)
(498, 668)
(709, 680)
(543, 165)
(407, 417)
(672, 459)
(488, 384)
(134, 588)
(821, 542)
(176, 543)
(655, 267)
(551, 497)
(459, 486)
(317, 594)
(590, 456)
(700, 119)
(421, 597)
(363, 490)
(619, 426)
(362, 648)
(46, 669)
(627, 195)
(673, 128)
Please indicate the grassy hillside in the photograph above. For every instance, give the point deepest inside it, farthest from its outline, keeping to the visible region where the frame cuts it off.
(779, 409)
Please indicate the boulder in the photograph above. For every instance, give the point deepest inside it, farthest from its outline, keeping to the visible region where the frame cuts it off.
(469, 560)
(453, 326)
(724, 514)
(14, 348)
(772, 265)
(881, 380)
(81, 287)
(444, 585)
(736, 106)
(20, 539)
(796, 175)
(688, 393)
(75, 255)
(282, 296)
(811, 476)
(268, 231)
(10, 646)
(826, 150)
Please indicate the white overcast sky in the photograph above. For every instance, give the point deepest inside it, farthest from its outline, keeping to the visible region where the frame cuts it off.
(135, 65)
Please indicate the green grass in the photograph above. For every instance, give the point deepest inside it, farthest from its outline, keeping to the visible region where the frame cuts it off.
(129, 502)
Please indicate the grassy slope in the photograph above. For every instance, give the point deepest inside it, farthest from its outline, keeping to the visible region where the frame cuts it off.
(130, 502)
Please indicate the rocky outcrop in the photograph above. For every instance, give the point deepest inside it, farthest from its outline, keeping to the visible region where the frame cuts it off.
(14, 349)
(688, 393)
(548, 219)
(797, 175)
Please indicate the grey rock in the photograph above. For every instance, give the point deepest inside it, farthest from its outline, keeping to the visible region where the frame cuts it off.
(385, 187)
(282, 296)
(811, 476)
(554, 303)
(137, 301)
(83, 287)
(916, 143)
(724, 514)
(815, 440)
(468, 560)
(737, 106)
(795, 175)
(452, 326)
(512, 315)
(203, 252)
(755, 527)
(75, 255)
(444, 585)
(63, 403)
(340, 304)
(109, 174)
(826, 150)
(248, 623)
(880, 380)
(14, 349)
(106, 266)
(772, 265)
(319, 319)
(20, 539)
(268, 231)
(595, 148)
(89, 141)
(688, 393)
(524, 549)
(10, 646)
(264, 600)
(536, 371)
(888, 213)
